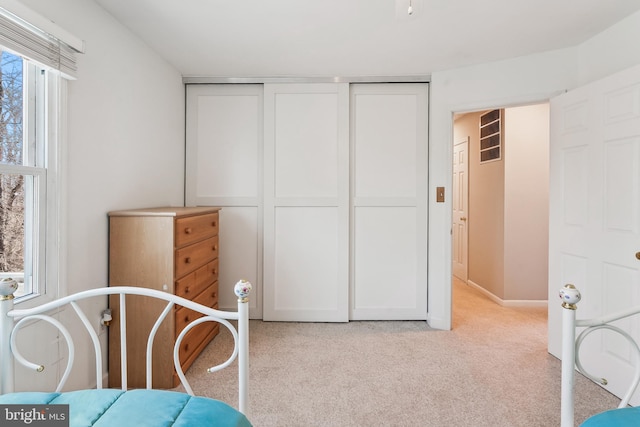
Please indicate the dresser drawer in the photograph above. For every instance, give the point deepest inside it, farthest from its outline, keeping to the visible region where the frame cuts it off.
(186, 287)
(194, 283)
(194, 228)
(191, 257)
(184, 315)
(206, 275)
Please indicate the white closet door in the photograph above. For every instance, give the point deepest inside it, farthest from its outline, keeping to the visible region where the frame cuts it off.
(306, 197)
(389, 195)
(224, 168)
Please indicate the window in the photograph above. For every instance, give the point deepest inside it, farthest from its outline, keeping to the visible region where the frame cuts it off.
(36, 59)
(28, 169)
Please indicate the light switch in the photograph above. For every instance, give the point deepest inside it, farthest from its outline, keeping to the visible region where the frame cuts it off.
(440, 194)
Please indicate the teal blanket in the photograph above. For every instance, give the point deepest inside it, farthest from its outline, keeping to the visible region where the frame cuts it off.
(153, 408)
(624, 417)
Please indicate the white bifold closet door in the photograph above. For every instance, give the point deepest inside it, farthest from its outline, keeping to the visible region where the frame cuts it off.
(224, 168)
(388, 201)
(306, 202)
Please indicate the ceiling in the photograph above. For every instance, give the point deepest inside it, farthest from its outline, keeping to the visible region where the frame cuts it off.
(347, 38)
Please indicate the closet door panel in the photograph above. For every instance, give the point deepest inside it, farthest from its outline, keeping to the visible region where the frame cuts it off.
(306, 147)
(224, 157)
(306, 197)
(305, 271)
(225, 127)
(384, 278)
(389, 199)
(385, 144)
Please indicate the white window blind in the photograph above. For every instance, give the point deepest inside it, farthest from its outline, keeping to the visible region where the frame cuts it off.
(37, 45)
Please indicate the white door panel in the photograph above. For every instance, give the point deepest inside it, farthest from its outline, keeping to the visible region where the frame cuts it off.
(306, 241)
(306, 194)
(388, 205)
(224, 134)
(595, 214)
(224, 168)
(305, 145)
(384, 146)
(385, 280)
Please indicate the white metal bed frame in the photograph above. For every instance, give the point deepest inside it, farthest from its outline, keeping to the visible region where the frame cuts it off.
(570, 296)
(12, 319)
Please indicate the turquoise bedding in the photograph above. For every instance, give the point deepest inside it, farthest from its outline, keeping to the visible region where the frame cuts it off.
(624, 417)
(153, 408)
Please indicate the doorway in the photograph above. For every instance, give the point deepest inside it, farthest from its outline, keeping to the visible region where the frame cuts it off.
(506, 211)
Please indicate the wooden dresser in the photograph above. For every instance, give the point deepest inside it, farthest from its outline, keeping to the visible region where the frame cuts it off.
(171, 249)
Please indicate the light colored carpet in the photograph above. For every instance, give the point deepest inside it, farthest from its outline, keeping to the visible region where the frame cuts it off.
(492, 369)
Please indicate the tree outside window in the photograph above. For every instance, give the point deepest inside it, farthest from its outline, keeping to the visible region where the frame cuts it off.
(12, 192)
(24, 173)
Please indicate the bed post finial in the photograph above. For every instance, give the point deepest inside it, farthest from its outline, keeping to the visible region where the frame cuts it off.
(570, 296)
(242, 290)
(7, 288)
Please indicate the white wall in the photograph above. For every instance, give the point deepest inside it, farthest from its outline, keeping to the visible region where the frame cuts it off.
(125, 141)
(516, 81)
(486, 217)
(526, 202)
(610, 51)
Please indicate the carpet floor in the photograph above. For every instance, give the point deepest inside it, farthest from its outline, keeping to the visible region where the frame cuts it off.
(492, 369)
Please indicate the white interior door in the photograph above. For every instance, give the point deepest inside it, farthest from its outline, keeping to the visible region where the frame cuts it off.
(460, 203)
(388, 204)
(224, 168)
(595, 214)
(306, 196)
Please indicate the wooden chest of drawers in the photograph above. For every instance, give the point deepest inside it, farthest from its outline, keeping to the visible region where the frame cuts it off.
(169, 249)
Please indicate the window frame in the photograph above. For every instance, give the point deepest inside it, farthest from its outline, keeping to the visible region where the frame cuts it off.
(44, 111)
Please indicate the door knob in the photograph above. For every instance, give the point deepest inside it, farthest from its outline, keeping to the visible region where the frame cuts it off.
(637, 255)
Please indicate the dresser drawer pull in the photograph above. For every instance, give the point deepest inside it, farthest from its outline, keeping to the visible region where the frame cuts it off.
(186, 319)
(214, 248)
(186, 290)
(213, 224)
(187, 260)
(214, 271)
(187, 230)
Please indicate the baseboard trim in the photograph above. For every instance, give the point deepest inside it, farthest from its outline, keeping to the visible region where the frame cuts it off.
(508, 303)
(438, 323)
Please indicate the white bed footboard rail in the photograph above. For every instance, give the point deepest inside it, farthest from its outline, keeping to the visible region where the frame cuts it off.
(571, 349)
(12, 319)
